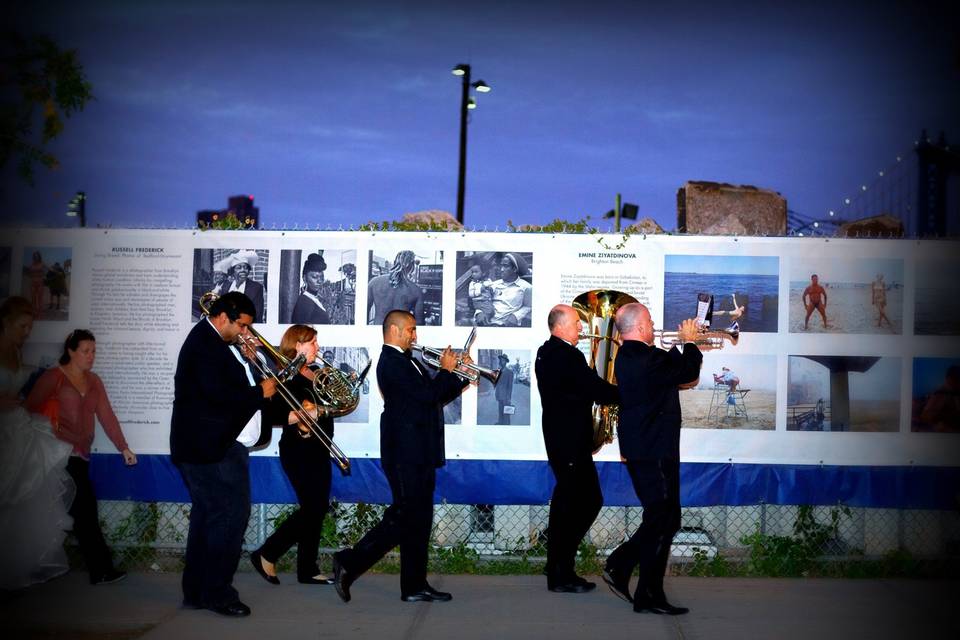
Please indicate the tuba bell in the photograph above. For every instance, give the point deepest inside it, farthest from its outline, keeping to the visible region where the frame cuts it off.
(597, 310)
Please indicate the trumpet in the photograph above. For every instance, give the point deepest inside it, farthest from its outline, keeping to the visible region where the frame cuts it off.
(290, 367)
(468, 371)
(707, 339)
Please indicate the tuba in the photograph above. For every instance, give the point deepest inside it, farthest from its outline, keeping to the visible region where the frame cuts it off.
(597, 310)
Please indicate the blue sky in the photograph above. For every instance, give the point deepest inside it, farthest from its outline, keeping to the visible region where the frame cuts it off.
(730, 265)
(342, 113)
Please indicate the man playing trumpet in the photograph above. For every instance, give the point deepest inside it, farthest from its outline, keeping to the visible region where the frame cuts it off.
(649, 433)
(411, 450)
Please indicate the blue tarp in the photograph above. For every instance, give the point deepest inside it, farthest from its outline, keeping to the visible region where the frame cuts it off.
(531, 482)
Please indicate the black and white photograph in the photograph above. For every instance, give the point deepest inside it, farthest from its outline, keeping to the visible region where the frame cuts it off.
(46, 281)
(220, 271)
(494, 288)
(937, 309)
(318, 286)
(348, 364)
(409, 279)
(507, 402)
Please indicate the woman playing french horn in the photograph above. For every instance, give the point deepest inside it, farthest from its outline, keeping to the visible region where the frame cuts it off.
(306, 461)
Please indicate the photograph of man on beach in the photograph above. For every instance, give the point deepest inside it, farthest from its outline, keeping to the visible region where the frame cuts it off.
(843, 393)
(734, 392)
(847, 296)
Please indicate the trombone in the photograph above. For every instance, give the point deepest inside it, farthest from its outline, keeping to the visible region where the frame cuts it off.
(470, 372)
(289, 369)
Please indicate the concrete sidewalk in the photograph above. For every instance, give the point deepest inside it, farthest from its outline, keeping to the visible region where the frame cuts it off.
(146, 605)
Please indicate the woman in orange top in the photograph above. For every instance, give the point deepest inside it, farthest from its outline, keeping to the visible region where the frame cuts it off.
(82, 396)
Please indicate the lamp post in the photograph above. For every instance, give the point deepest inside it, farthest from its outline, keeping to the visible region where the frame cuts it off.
(77, 208)
(466, 102)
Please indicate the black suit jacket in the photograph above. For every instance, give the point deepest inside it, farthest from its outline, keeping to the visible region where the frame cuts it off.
(411, 425)
(648, 379)
(212, 400)
(306, 311)
(254, 291)
(568, 388)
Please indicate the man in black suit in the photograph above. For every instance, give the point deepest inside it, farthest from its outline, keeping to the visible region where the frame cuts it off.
(568, 389)
(214, 400)
(411, 450)
(649, 432)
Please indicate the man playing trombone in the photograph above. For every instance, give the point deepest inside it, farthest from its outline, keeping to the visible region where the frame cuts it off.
(215, 418)
(568, 388)
(649, 433)
(411, 450)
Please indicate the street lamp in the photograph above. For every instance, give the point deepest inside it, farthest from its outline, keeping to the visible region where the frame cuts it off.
(466, 102)
(77, 207)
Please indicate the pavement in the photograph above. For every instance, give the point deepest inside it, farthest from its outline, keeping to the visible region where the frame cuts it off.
(147, 605)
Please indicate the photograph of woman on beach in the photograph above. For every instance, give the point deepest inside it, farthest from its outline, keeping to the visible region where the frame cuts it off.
(734, 392)
(936, 395)
(843, 393)
(46, 281)
(745, 290)
(847, 296)
(937, 310)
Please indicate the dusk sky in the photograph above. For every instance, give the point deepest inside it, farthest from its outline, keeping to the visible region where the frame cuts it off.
(342, 113)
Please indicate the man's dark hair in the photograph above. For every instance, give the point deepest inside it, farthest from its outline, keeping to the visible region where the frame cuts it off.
(813, 275)
(953, 372)
(233, 304)
(395, 318)
(554, 317)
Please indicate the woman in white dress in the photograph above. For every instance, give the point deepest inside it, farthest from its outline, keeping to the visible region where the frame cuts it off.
(35, 489)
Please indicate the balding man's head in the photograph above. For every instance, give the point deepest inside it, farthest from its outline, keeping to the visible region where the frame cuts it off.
(564, 322)
(634, 323)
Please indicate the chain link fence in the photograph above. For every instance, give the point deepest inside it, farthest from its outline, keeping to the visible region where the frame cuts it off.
(766, 540)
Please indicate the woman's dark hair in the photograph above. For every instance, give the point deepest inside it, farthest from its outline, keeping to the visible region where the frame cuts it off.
(233, 304)
(314, 264)
(72, 343)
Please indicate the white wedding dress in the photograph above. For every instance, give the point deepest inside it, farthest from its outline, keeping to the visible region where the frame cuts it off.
(35, 493)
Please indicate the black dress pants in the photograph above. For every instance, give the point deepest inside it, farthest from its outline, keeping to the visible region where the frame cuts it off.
(407, 522)
(574, 506)
(307, 465)
(86, 521)
(220, 492)
(657, 484)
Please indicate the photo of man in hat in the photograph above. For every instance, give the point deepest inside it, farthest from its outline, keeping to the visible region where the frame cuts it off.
(221, 271)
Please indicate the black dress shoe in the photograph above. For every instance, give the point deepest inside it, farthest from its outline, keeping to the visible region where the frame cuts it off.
(619, 585)
(233, 610)
(670, 610)
(572, 587)
(315, 580)
(341, 579)
(257, 561)
(427, 594)
(108, 577)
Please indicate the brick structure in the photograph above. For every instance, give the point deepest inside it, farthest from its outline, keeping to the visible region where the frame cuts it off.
(717, 208)
(881, 226)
